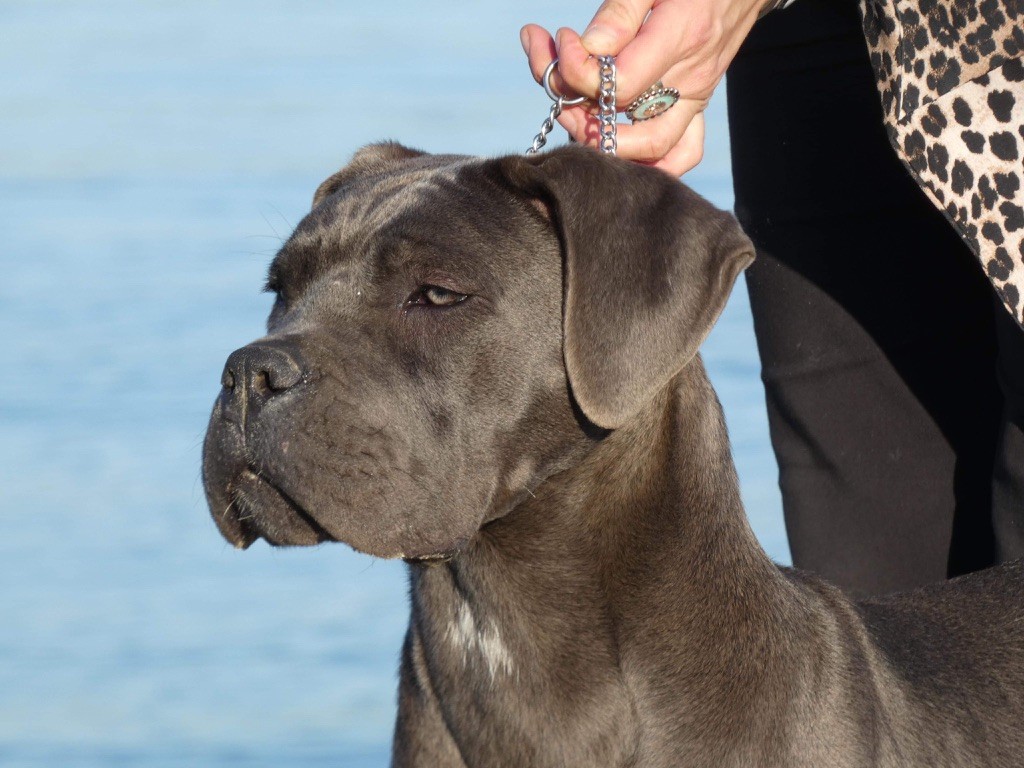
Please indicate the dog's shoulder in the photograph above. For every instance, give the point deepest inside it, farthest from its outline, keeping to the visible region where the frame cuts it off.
(964, 637)
(972, 604)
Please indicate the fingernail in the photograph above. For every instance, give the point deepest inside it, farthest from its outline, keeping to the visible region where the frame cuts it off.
(598, 39)
(524, 38)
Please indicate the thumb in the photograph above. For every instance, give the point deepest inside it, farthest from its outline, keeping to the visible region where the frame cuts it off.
(614, 25)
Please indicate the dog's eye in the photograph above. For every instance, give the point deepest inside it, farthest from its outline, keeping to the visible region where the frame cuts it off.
(435, 296)
(274, 287)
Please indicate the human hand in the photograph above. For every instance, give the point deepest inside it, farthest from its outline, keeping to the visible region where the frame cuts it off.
(687, 44)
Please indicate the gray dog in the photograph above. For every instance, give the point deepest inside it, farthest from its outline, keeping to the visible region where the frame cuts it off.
(489, 368)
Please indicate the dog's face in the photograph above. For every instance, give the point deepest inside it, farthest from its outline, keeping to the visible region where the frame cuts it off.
(447, 333)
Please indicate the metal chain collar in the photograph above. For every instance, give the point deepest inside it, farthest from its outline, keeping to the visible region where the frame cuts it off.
(605, 103)
(546, 127)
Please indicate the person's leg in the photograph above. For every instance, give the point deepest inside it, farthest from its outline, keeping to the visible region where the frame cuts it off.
(1008, 478)
(873, 321)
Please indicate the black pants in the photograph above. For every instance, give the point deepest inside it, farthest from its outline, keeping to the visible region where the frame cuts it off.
(894, 382)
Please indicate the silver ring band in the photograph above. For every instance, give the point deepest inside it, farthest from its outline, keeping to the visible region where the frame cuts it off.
(549, 89)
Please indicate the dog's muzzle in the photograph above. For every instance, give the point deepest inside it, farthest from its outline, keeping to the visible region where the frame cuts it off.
(246, 504)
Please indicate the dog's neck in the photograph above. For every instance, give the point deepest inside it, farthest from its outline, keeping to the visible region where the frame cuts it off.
(640, 556)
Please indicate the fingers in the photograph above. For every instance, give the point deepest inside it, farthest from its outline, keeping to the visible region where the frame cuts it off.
(681, 158)
(540, 50)
(614, 25)
(646, 142)
(652, 140)
(688, 152)
(641, 64)
(675, 34)
(577, 71)
(701, 36)
(650, 57)
(577, 68)
(674, 140)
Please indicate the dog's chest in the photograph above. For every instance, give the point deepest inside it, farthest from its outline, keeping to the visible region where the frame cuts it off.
(517, 685)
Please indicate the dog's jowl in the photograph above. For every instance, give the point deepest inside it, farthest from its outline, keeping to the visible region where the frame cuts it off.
(489, 368)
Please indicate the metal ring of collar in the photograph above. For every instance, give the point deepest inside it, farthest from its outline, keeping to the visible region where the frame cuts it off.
(552, 93)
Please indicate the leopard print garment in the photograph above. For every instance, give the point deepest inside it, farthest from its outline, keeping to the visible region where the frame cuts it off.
(951, 78)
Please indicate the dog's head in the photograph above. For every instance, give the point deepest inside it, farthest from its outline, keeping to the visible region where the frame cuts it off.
(450, 331)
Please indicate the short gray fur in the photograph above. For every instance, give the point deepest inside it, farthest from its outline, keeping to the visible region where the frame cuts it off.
(550, 458)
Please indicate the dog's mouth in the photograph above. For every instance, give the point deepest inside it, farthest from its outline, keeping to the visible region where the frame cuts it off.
(260, 509)
(257, 507)
(256, 493)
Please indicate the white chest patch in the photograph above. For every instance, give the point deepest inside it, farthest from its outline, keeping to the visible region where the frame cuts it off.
(474, 641)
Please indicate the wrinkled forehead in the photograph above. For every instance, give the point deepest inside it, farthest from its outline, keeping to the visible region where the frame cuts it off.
(443, 206)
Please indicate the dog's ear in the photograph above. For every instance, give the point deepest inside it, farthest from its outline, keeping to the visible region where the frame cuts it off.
(373, 158)
(649, 265)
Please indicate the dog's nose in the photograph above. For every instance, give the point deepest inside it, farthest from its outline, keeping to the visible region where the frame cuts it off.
(256, 373)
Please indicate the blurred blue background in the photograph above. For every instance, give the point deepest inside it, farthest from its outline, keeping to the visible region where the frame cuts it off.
(152, 156)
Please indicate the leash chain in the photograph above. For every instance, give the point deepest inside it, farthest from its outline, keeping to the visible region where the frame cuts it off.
(546, 127)
(605, 103)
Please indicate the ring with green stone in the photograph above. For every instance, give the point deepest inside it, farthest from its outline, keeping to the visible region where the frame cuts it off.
(652, 102)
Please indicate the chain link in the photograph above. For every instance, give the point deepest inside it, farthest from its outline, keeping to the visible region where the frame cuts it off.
(546, 127)
(606, 108)
(606, 105)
